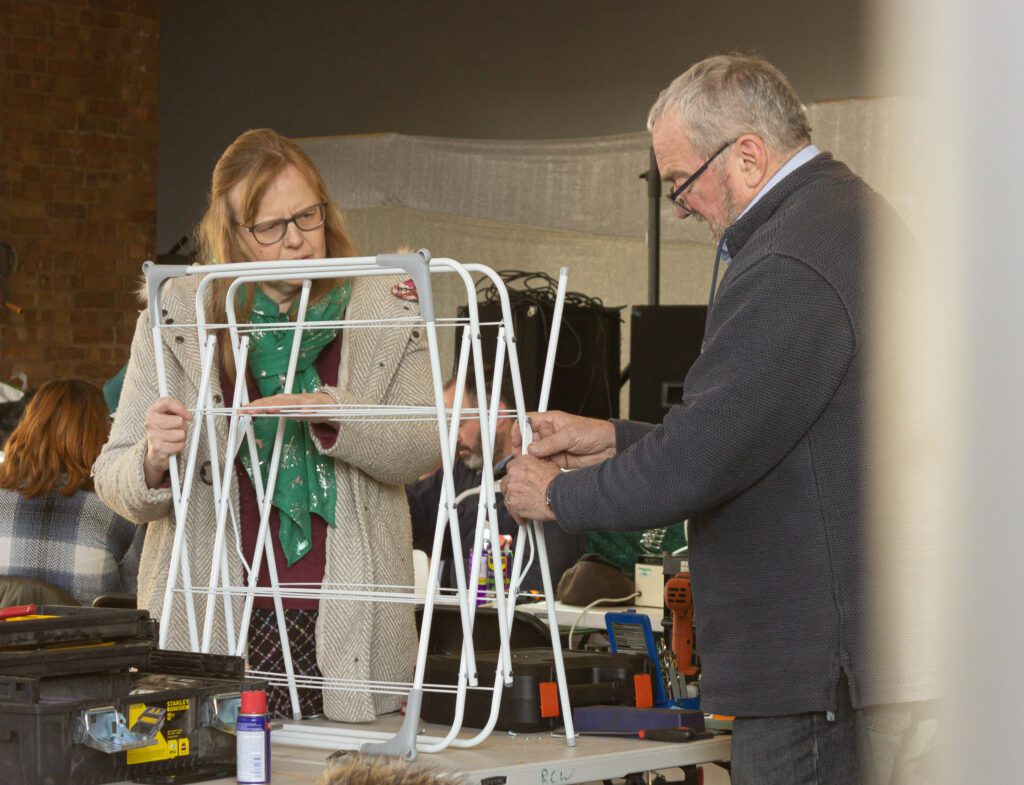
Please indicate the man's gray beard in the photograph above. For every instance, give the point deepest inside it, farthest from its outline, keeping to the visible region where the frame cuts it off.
(474, 461)
(732, 213)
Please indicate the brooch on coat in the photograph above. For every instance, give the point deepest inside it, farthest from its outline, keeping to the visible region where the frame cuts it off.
(406, 290)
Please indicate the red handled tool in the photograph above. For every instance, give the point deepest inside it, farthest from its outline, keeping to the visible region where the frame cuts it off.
(669, 734)
(679, 600)
(17, 610)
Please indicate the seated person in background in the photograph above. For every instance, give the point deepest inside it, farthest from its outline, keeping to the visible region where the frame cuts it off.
(52, 526)
(564, 548)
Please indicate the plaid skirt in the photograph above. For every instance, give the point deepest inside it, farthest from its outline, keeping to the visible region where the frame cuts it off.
(265, 654)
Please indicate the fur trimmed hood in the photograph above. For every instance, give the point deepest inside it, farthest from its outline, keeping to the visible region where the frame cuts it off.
(355, 769)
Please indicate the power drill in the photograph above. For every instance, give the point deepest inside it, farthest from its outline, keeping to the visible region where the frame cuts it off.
(679, 600)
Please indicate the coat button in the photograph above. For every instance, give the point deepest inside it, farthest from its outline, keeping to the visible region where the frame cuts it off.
(169, 320)
(163, 312)
(415, 333)
(179, 339)
(206, 473)
(381, 364)
(216, 398)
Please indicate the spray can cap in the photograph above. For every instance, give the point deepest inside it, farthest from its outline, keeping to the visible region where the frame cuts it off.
(254, 702)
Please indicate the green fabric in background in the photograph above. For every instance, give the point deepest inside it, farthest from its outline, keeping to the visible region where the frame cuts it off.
(623, 548)
(112, 389)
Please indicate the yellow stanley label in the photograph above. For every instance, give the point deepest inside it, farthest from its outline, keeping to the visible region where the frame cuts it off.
(170, 742)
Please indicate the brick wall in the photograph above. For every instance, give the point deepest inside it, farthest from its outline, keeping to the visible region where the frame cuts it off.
(78, 136)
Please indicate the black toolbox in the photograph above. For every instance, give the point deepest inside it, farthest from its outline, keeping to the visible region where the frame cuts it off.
(446, 630)
(86, 698)
(49, 625)
(531, 704)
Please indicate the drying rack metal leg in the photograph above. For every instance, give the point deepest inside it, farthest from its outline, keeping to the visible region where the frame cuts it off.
(403, 743)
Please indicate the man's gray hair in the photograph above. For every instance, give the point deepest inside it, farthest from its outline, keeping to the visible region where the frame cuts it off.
(725, 96)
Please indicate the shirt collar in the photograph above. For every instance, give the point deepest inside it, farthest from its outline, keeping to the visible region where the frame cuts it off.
(795, 162)
(499, 467)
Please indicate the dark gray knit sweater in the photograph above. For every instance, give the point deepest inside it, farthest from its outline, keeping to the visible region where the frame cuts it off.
(764, 456)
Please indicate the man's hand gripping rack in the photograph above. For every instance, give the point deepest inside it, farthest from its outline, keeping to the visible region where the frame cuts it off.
(179, 580)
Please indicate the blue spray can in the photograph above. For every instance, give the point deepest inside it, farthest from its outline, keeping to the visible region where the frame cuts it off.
(252, 735)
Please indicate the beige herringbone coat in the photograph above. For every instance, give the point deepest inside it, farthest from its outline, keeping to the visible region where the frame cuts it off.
(371, 542)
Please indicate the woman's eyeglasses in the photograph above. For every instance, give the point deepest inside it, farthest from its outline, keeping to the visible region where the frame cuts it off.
(270, 232)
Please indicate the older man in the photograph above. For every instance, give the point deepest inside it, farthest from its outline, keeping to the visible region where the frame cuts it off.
(765, 454)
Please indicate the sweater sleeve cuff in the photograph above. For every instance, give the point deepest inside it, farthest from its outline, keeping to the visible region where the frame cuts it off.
(628, 432)
(144, 497)
(325, 434)
(560, 495)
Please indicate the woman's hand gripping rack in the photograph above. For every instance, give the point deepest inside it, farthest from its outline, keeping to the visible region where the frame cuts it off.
(180, 584)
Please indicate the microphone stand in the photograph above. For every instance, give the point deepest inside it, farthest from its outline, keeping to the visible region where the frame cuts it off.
(653, 177)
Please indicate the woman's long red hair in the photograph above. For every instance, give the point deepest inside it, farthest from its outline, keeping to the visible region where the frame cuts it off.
(253, 162)
(64, 427)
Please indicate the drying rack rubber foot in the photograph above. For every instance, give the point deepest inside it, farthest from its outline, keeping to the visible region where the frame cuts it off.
(403, 743)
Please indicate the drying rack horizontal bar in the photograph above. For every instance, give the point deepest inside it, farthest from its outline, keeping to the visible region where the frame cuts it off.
(326, 738)
(358, 685)
(414, 413)
(333, 594)
(334, 324)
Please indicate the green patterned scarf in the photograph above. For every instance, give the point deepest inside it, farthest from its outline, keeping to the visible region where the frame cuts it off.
(305, 478)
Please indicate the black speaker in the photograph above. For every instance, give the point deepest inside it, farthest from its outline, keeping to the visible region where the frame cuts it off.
(664, 342)
(586, 375)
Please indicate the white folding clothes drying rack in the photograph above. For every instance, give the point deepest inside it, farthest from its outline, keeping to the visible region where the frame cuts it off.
(181, 586)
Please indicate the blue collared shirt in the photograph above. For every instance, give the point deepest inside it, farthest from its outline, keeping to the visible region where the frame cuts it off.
(794, 163)
(500, 466)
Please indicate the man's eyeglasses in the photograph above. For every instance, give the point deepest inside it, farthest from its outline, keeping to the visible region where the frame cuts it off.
(270, 232)
(676, 195)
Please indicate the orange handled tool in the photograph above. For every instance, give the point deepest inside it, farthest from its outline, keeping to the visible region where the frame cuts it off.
(679, 600)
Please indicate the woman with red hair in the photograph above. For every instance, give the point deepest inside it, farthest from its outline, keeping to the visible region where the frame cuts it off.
(53, 527)
(338, 513)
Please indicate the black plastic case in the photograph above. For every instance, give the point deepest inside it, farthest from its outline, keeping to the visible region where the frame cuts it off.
(593, 678)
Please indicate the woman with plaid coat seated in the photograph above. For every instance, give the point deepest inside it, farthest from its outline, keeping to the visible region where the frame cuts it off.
(53, 527)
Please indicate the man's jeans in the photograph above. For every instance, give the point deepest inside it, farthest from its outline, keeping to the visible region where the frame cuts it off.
(880, 745)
